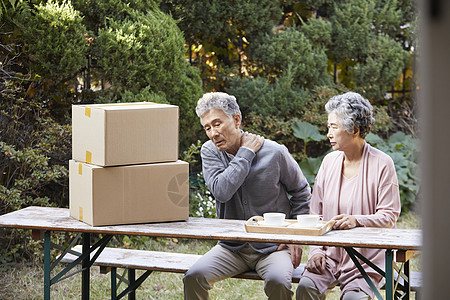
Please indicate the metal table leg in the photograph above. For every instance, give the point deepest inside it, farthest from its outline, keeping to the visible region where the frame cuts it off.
(389, 269)
(353, 255)
(47, 265)
(113, 283)
(132, 280)
(84, 258)
(85, 279)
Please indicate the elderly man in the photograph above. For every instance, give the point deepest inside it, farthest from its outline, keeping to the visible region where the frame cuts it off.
(248, 176)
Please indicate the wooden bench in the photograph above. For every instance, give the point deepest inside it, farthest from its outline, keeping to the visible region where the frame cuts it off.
(112, 258)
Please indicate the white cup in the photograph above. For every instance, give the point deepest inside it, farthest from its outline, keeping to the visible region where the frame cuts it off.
(308, 220)
(273, 218)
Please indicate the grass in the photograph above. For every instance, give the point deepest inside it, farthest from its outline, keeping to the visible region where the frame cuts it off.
(25, 281)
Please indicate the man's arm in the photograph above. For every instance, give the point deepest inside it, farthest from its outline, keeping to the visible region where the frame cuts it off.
(296, 184)
(224, 180)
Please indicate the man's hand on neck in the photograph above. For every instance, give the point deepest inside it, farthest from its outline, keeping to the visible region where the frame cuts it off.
(252, 141)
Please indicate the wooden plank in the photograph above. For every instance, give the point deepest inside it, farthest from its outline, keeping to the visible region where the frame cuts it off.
(415, 281)
(177, 263)
(58, 219)
(404, 255)
(156, 261)
(140, 259)
(37, 235)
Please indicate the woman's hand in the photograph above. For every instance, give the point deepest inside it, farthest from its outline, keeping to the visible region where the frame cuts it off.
(316, 264)
(345, 222)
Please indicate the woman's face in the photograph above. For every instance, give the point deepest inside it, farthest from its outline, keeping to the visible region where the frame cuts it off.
(339, 138)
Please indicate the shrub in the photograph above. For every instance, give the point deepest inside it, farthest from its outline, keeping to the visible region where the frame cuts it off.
(403, 149)
(201, 201)
(133, 52)
(143, 55)
(34, 151)
(291, 49)
(56, 40)
(259, 96)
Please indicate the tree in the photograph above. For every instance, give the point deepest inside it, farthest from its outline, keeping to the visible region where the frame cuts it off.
(359, 45)
(56, 42)
(218, 33)
(291, 49)
(127, 47)
(146, 52)
(58, 53)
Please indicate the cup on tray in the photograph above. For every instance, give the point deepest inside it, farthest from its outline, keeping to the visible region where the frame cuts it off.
(274, 218)
(308, 220)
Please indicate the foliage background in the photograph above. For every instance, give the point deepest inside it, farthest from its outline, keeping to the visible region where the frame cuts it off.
(282, 59)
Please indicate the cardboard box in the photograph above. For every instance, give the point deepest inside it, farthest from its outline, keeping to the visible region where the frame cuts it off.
(124, 133)
(129, 194)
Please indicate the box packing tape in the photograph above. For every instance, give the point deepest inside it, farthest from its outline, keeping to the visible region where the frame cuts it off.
(87, 109)
(88, 157)
(80, 169)
(80, 213)
(126, 104)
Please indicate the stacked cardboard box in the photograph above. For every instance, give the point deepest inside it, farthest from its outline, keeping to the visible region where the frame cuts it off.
(125, 168)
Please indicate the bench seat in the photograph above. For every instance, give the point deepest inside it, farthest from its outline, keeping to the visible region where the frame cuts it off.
(156, 261)
(175, 263)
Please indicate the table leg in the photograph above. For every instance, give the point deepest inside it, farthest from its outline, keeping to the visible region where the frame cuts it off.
(353, 255)
(132, 279)
(113, 283)
(389, 269)
(408, 282)
(85, 279)
(47, 265)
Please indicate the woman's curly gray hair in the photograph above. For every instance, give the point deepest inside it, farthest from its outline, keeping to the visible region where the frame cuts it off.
(353, 111)
(218, 100)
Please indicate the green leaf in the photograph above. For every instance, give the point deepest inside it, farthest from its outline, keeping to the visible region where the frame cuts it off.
(398, 138)
(310, 167)
(374, 139)
(307, 132)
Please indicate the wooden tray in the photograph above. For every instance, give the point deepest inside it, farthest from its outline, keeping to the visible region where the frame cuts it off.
(253, 225)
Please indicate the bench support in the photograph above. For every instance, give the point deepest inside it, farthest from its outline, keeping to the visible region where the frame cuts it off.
(353, 253)
(133, 284)
(86, 274)
(47, 265)
(149, 261)
(83, 258)
(398, 286)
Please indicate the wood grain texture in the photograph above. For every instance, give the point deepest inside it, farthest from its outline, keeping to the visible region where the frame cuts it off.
(157, 261)
(58, 219)
(252, 225)
(178, 263)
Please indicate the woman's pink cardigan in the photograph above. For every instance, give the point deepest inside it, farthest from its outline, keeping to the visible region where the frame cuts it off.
(375, 202)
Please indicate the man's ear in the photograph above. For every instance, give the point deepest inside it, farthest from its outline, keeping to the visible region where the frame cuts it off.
(356, 131)
(237, 121)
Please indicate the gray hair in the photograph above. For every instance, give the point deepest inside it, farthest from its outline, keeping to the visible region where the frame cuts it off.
(218, 100)
(353, 111)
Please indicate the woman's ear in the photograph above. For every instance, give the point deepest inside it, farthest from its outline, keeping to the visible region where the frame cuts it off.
(237, 121)
(356, 131)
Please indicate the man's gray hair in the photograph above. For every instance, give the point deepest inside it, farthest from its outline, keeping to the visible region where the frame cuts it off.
(353, 111)
(218, 100)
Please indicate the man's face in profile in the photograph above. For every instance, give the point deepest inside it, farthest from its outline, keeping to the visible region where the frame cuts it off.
(223, 131)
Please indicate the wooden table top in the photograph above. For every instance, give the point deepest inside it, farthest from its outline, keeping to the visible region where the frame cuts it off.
(58, 219)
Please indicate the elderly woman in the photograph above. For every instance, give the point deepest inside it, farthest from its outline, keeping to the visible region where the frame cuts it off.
(356, 186)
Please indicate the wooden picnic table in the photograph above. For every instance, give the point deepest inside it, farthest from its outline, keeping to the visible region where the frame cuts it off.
(43, 220)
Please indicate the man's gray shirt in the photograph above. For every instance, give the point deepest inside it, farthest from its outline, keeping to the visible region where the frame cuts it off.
(249, 184)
